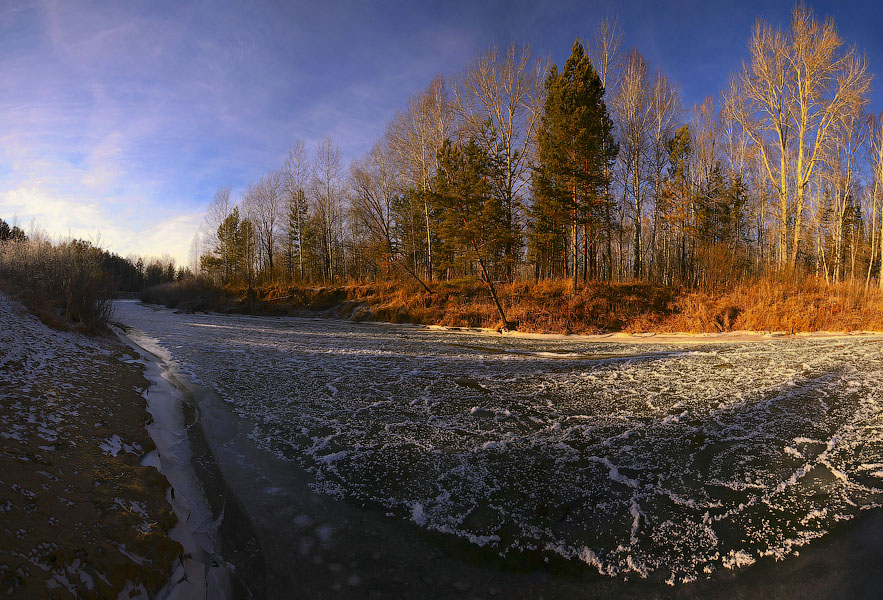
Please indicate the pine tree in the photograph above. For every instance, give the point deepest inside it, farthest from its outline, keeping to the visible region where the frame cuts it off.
(575, 145)
(471, 213)
(294, 243)
(677, 207)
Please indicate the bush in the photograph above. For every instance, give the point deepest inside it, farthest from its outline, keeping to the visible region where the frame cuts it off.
(195, 294)
(64, 280)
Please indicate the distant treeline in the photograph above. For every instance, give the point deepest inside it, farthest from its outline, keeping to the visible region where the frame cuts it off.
(74, 279)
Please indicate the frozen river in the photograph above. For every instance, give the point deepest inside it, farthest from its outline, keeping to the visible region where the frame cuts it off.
(670, 463)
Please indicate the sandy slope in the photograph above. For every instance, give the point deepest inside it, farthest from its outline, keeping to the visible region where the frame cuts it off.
(79, 514)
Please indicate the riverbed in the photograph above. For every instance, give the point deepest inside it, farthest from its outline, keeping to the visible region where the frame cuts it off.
(379, 460)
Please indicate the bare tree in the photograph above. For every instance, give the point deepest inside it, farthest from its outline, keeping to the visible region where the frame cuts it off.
(635, 120)
(295, 180)
(841, 172)
(218, 210)
(875, 150)
(603, 51)
(829, 83)
(375, 187)
(263, 204)
(327, 189)
(415, 136)
(665, 105)
(735, 146)
(195, 251)
(787, 98)
(758, 99)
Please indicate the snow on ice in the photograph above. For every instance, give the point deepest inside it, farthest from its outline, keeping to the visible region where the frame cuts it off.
(636, 459)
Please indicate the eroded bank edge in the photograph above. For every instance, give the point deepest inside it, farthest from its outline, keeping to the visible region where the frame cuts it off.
(222, 554)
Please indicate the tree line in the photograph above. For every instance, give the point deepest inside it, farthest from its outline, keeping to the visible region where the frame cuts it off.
(74, 279)
(518, 169)
(116, 273)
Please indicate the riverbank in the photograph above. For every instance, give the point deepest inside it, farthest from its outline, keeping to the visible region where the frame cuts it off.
(83, 514)
(550, 307)
(223, 557)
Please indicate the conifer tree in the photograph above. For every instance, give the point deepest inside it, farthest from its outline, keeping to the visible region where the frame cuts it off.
(575, 146)
(471, 213)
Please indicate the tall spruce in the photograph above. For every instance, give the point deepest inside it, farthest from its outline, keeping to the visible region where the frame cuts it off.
(575, 150)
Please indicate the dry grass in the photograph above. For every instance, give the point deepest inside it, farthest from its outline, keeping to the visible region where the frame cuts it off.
(770, 304)
(546, 306)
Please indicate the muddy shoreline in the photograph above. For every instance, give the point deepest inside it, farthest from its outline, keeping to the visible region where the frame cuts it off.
(81, 513)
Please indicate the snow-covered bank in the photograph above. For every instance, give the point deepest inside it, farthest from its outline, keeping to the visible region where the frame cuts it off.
(80, 516)
(201, 572)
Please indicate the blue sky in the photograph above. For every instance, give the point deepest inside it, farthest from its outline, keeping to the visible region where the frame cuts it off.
(118, 120)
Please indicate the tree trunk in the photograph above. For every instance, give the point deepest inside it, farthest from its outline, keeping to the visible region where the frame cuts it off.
(491, 288)
(428, 238)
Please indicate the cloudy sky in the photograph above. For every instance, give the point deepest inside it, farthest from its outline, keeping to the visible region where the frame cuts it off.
(118, 120)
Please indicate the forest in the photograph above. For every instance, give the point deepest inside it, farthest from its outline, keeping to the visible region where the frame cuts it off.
(517, 172)
(517, 169)
(74, 279)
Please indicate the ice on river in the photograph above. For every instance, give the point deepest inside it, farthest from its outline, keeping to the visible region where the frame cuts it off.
(636, 459)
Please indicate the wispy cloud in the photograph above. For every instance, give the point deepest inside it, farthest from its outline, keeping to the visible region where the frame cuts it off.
(123, 118)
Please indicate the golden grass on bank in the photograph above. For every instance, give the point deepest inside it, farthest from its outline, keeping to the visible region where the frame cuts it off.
(549, 306)
(774, 305)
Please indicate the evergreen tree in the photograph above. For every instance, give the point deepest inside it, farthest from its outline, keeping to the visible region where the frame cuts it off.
(294, 243)
(228, 246)
(471, 213)
(677, 208)
(576, 147)
(13, 233)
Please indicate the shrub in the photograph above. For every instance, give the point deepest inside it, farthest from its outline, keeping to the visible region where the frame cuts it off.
(63, 280)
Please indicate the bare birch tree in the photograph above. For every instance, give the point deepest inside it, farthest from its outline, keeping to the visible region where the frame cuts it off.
(875, 151)
(265, 203)
(416, 134)
(830, 82)
(635, 120)
(375, 190)
(218, 210)
(664, 109)
(295, 180)
(841, 172)
(327, 189)
(603, 51)
(786, 98)
(759, 100)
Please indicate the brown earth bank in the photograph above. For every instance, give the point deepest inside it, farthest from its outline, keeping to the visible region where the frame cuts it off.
(79, 515)
(770, 304)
